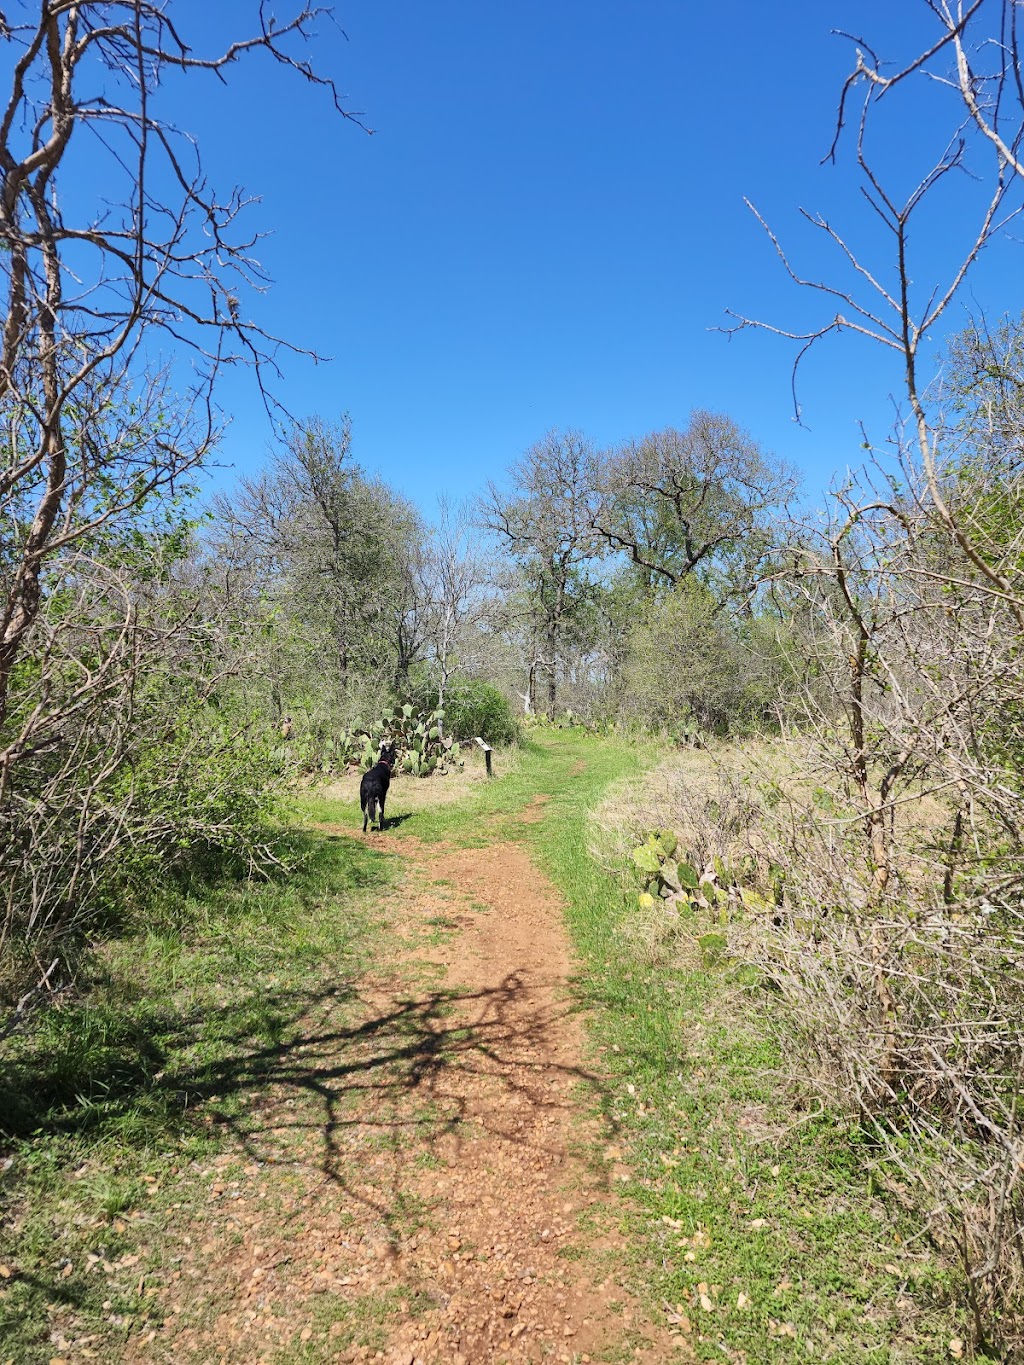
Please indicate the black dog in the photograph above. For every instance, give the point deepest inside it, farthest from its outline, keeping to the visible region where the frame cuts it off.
(374, 787)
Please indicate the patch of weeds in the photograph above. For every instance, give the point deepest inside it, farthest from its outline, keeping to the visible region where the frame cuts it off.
(357, 1320)
(388, 1141)
(437, 930)
(621, 1353)
(259, 1019)
(441, 922)
(422, 974)
(588, 1222)
(108, 1194)
(408, 1213)
(569, 1251)
(428, 1118)
(65, 1264)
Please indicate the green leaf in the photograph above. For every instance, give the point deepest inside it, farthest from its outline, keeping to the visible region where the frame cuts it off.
(668, 842)
(646, 859)
(688, 876)
(669, 872)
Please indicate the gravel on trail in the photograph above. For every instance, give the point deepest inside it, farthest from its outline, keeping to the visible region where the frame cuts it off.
(424, 1173)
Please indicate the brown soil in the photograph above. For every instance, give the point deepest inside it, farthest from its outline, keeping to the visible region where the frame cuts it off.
(424, 1175)
(534, 809)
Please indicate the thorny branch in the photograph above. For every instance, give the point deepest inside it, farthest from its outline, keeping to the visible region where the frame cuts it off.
(901, 957)
(98, 431)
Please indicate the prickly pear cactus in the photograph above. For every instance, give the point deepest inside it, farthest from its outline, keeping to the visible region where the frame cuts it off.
(676, 881)
(664, 876)
(422, 748)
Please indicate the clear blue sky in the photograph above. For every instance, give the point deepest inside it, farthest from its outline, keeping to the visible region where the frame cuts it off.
(548, 222)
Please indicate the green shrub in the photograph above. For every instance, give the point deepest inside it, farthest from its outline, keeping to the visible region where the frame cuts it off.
(694, 671)
(473, 707)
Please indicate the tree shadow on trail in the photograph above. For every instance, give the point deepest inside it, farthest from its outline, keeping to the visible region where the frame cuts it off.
(331, 1074)
(416, 1074)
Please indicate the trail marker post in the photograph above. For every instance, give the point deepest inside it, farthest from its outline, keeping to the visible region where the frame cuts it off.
(487, 755)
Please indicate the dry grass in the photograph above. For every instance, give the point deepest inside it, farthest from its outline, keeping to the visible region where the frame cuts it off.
(902, 1014)
(411, 794)
(708, 798)
(689, 792)
(736, 1099)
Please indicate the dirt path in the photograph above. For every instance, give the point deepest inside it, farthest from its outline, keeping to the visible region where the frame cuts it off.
(423, 1178)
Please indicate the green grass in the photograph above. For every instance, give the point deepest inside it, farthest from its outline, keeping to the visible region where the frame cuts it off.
(543, 767)
(731, 1190)
(109, 1104)
(106, 1104)
(358, 1319)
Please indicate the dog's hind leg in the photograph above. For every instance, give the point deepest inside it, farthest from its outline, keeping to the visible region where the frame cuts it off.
(380, 824)
(366, 815)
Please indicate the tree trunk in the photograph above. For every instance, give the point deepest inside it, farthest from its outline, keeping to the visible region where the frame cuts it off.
(552, 667)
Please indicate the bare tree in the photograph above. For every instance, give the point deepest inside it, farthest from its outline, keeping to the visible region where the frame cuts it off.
(982, 42)
(456, 573)
(99, 432)
(905, 970)
(545, 524)
(84, 295)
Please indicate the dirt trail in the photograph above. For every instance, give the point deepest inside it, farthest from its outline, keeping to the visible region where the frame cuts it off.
(426, 1171)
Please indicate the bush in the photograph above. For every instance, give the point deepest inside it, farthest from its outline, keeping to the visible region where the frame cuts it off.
(145, 767)
(473, 707)
(686, 666)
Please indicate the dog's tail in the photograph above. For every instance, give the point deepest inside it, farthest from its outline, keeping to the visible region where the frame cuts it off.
(370, 810)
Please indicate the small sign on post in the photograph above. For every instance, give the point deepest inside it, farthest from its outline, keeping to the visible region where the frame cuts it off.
(487, 755)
